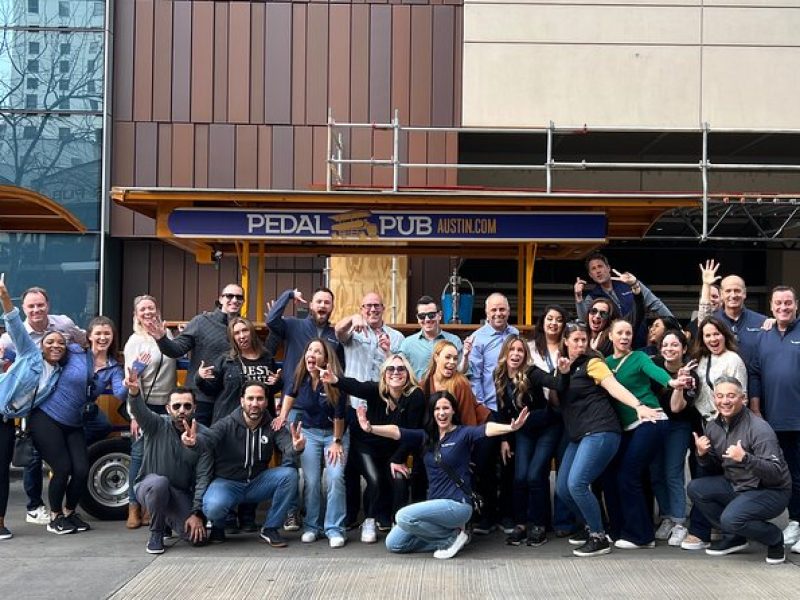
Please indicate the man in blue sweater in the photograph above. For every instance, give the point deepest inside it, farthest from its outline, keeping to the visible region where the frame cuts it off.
(775, 391)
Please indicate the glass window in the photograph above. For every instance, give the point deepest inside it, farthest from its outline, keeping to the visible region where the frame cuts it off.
(33, 48)
(33, 66)
(64, 49)
(32, 83)
(31, 100)
(63, 8)
(28, 132)
(64, 103)
(99, 10)
(91, 86)
(64, 132)
(63, 85)
(33, 6)
(63, 66)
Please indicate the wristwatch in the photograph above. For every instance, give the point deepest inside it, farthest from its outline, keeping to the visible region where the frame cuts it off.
(337, 441)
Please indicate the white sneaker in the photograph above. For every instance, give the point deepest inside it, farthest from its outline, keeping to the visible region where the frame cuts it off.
(692, 542)
(679, 533)
(336, 541)
(791, 535)
(38, 516)
(369, 534)
(454, 548)
(626, 545)
(308, 537)
(665, 529)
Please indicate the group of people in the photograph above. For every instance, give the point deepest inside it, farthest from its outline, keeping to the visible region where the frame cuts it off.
(451, 438)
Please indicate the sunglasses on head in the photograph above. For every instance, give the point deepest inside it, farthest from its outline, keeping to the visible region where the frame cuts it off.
(396, 368)
(238, 297)
(183, 405)
(603, 314)
(427, 315)
(575, 326)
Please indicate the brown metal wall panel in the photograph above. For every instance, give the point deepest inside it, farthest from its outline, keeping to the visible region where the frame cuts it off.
(162, 65)
(278, 64)
(122, 166)
(264, 157)
(317, 65)
(207, 286)
(302, 158)
(202, 37)
(458, 65)
(124, 19)
(380, 64)
(146, 154)
(339, 60)
(183, 155)
(436, 154)
(401, 60)
(220, 63)
(360, 148)
(417, 153)
(136, 268)
(172, 300)
(257, 24)
(451, 156)
(246, 157)
(221, 155)
(443, 40)
(155, 278)
(239, 63)
(164, 155)
(143, 65)
(359, 64)
(181, 61)
(382, 148)
(282, 158)
(299, 47)
(191, 304)
(320, 145)
(421, 21)
(201, 156)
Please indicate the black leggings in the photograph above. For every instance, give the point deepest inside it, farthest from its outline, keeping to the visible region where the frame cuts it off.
(6, 452)
(64, 449)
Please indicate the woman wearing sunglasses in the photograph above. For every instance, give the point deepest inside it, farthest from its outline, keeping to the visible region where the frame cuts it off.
(594, 431)
(395, 399)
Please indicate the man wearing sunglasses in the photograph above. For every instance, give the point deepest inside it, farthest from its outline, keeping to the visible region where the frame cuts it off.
(418, 347)
(206, 337)
(172, 479)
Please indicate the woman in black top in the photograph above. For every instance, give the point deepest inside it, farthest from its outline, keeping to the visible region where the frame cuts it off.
(519, 385)
(395, 399)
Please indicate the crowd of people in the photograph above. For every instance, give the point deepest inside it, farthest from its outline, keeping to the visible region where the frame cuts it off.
(452, 438)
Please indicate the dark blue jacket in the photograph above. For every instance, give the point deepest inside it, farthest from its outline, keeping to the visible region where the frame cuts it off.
(775, 377)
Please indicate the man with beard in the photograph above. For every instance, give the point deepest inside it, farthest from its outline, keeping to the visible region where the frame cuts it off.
(172, 479)
(243, 444)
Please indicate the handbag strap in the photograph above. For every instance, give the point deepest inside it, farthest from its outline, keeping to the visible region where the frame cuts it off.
(153, 382)
(458, 481)
(89, 374)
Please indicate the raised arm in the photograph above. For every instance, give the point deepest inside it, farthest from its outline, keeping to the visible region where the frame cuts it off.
(387, 431)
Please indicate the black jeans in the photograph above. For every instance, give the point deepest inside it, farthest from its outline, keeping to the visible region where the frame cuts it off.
(6, 452)
(371, 462)
(64, 449)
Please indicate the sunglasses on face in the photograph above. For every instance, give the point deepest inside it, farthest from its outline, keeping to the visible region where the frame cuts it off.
(229, 297)
(178, 405)
(603, 314)
(428, 315)
(398, 369)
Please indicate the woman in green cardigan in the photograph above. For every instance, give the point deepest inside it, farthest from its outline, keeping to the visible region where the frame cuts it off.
(631, 523)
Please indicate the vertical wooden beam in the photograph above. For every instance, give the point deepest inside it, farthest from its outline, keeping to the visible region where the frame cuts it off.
(244, 268)
(521, 284)
(260, 283)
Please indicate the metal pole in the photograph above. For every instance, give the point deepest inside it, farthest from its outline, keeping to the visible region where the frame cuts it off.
(326, 273)
(105, 201)
(396, 151)
(549, 162)
(329, 164)
(704, 172)
(394, 290)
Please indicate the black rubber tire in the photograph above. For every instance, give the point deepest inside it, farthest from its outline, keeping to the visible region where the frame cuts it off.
(106, 496)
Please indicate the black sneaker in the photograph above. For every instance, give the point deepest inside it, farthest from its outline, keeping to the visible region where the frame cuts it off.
(507, 524)
(536, 536)
(168, 533)
(216, 535)
(727, 545)
(5, 534)
(597, 545)
(579, 538)
(483, 527)
(249, 526)
(80, 524)
(273, 537)
(517, 536)
(232, 528)
(155, 545)
(292, 522)
(776, 554)
(61, 526)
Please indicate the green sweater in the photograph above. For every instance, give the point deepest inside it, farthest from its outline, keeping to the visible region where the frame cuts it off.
(635, 374)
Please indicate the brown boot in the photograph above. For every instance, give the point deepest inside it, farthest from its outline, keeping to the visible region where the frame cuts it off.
(145, 517)
(134, 516)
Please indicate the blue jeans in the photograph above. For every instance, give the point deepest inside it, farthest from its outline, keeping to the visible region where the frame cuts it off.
(790, 444)
(427, 526)
(583, 463)
(629, 515)
(563, 518)
(668, 472)
(533, 452)
(278, 485)
(744, 514)
(317, 443)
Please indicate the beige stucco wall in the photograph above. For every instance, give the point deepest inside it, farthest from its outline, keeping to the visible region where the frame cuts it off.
(650, 63)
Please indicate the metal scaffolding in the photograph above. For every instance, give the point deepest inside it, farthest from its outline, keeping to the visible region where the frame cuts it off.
(767, 218)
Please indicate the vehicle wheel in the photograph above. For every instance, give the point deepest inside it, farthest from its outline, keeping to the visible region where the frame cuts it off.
(106, 496)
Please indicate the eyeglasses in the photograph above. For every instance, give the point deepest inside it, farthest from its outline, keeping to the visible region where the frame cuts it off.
(428, 315)
(371, 306)
(229, 297)
(396, 369)
(603, 314)
(184, 405)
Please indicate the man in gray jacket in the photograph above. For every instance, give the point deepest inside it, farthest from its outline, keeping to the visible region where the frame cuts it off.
(755, 485)
(172, 479)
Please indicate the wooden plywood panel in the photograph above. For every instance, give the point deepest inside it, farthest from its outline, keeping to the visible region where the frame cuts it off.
(201, 156)
(257, 24)
(202, 61)
(380, 64)
(246, 156)
(264, 157)
(299, 66)
(124, 20)
(239, 63)
(143, 65)
(181, 61)
(302, 158)
(339, 76)
(221, 155)
(162, 66)
(220, 62)
(164, 174)
(278, 64)
(182, 155)
(443, 64)
(317, 65)
(421, 70)
(354, 276)
(401, 60)
(282, 158)
(359, 64)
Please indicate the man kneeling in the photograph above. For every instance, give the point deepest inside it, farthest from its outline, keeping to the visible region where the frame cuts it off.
(172, 479)
(755, 485)
(243, 444)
